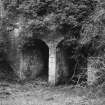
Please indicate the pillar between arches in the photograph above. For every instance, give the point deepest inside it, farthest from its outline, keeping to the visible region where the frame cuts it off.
(52, 65)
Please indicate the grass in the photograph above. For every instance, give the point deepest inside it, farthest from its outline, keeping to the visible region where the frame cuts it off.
(35, 94)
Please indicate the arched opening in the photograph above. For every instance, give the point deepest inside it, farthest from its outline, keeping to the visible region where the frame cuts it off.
(35, 59)
(69, 62)
(65, 61)
(6, 72)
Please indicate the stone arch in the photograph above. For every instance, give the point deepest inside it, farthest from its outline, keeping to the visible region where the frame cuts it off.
(66, 60)
(35, 54)
(6, 71)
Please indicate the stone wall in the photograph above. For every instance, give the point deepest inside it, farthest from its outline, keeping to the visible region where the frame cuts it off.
(96, 70)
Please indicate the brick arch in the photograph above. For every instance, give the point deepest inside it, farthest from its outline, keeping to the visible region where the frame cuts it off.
(65, 62)
(35, 58)
(33, 51)
(59, 41)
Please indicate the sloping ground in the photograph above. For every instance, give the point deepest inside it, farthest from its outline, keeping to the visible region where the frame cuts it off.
(33, 94)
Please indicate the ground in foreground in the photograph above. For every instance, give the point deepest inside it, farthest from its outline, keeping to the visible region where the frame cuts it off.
(40, 94)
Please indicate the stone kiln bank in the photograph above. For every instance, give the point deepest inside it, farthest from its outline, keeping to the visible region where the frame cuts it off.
(38, 54)
(48, 54)
(45, 54)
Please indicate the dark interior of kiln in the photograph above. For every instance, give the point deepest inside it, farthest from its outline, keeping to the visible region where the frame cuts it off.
(68, 63)
(35, 55)
(6, 72)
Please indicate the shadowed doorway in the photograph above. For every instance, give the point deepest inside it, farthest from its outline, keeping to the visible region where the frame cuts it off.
(35, 59)
(6, 72)
(67, 61)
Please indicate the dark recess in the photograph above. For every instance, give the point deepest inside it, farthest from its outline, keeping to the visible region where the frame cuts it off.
(6, 72)
(38, 45)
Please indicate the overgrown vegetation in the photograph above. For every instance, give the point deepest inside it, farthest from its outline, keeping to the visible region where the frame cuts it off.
(67, 16)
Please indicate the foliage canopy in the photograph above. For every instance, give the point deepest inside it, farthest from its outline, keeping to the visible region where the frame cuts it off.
(67, 16)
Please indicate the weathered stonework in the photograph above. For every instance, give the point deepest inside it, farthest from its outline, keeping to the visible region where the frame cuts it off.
(95, 70)
(20, 62)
